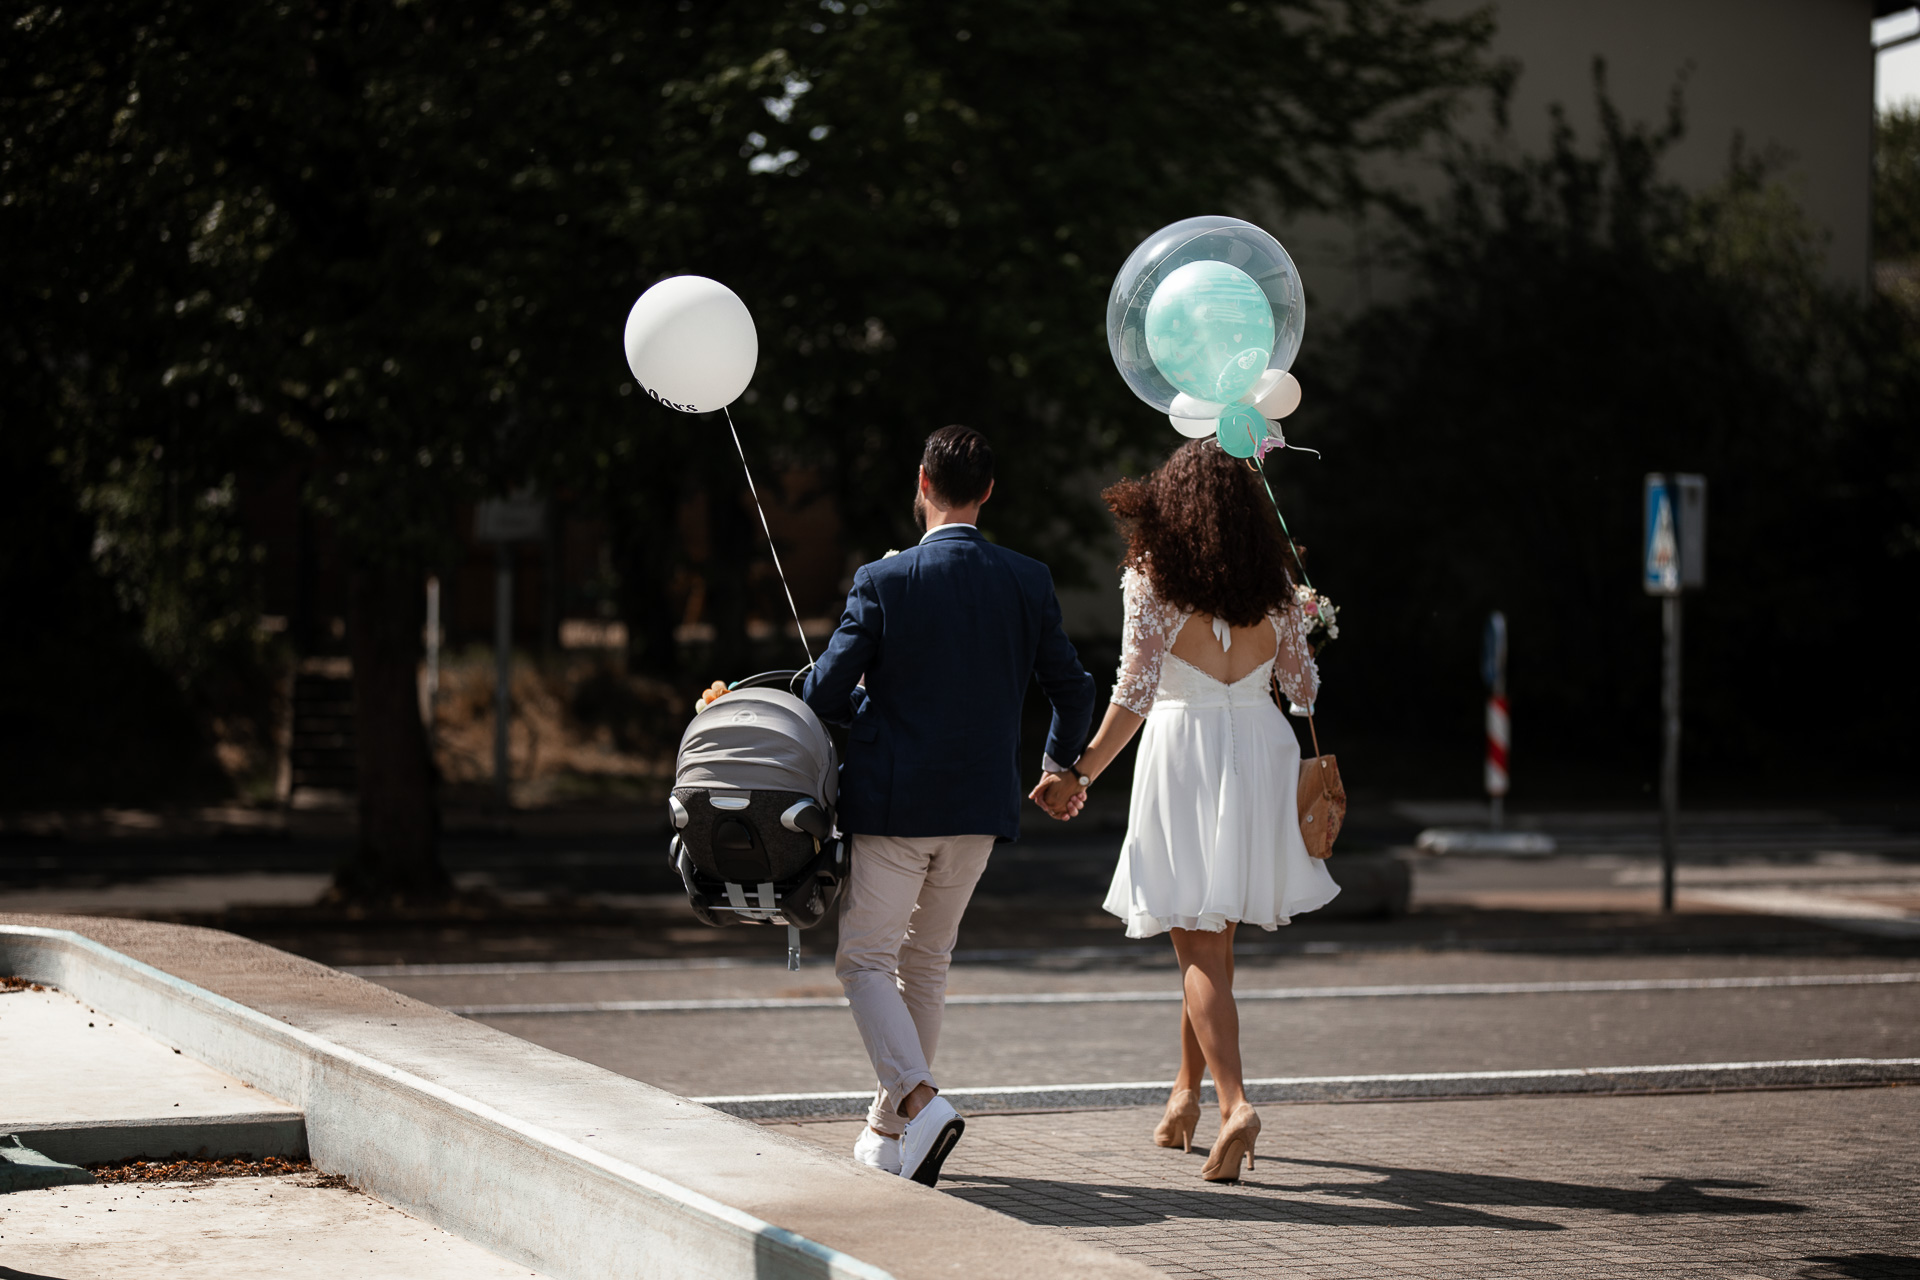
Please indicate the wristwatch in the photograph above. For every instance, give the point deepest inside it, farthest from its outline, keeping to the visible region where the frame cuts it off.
(1050, 765)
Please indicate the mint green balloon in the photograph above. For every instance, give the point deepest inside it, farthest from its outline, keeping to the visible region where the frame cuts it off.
(1210, 330)
(1240, 430)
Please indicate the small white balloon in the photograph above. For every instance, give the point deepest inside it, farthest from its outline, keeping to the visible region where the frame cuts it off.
(1283, 399)
(691, 344)
(1263, 388)
(1194, 428)
(1186, 406)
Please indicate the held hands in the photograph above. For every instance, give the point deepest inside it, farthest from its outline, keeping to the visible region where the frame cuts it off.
(1060, 794)
(718, 689)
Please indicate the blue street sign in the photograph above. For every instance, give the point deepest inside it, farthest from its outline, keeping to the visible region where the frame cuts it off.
(1660, 556)
(1673, 553)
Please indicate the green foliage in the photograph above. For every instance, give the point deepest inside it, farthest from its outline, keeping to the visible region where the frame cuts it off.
(1578, 321)
(390, 245)
(295, 253)
(86, 713)
(923, 207)
(1896, 183)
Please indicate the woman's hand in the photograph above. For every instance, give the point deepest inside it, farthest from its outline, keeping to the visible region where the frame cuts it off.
(1060, 794)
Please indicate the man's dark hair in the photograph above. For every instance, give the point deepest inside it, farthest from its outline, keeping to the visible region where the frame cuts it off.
(959, 464)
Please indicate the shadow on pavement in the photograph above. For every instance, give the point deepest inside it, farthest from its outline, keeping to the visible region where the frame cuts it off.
(1398, 1198)
(608, 893)
(1861, 1266)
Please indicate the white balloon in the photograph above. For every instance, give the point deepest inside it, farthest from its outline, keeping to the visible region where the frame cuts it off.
(1268, 381)
(1186, 406)
(1194, 428)
(1283, 399)
(691, 344)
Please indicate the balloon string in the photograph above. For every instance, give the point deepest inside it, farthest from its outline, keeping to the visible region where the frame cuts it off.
(1260, 467)
(752, 489)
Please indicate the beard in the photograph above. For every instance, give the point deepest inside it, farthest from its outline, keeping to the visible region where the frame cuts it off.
(920, 510)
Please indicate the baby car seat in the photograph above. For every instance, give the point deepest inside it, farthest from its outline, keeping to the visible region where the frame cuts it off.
(755, 782)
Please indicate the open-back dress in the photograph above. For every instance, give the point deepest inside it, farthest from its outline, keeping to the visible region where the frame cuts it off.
(1213, 833)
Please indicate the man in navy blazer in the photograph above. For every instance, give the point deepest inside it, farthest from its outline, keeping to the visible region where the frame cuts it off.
(929, 668)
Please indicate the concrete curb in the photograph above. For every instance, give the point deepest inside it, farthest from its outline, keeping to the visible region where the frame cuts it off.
(1696, 1077)
(269, 1133)
(488, 1136)
(338, 1088)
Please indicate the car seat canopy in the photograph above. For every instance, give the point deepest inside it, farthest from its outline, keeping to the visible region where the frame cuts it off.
(758, 740)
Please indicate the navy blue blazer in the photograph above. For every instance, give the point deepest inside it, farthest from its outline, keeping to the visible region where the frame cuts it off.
(947, 634)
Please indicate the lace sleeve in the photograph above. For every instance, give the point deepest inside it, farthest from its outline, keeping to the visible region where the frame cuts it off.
(1293, 663)
(1150, 627)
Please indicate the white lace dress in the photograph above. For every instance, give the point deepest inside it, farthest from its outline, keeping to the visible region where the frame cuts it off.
(1213, 833)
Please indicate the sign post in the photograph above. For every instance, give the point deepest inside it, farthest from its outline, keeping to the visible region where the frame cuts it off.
(520, 517)
(1493, 671)
(430, 698)
(1673, 560)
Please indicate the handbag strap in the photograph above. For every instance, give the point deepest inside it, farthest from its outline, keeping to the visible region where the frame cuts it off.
(1273, 687)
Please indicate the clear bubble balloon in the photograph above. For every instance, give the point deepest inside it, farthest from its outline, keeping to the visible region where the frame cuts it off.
(1208, 239)
(1210, 330)
(1240, 430)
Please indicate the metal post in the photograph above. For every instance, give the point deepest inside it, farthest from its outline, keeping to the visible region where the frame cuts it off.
(1493, 670)
(1498, 737)
(503, 669)
(433, 657)
(1670, 758)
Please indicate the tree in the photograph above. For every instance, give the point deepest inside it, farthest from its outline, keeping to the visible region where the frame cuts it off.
(924, 207)
(1576, 321)
(388, 245)
(318, 240)
(1896, 183)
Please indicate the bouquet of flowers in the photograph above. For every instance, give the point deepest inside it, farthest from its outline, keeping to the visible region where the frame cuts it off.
(1322, 617)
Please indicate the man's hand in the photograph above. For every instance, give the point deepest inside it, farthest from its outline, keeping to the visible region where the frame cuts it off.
(718, 689)
(1060, 795)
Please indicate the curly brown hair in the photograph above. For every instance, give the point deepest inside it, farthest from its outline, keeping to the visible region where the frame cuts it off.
(1202, 528)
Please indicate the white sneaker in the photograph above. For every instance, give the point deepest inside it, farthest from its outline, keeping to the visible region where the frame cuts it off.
(877, 1149)
(929, 1140)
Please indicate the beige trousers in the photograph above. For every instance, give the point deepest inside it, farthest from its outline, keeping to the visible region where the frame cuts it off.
(899, 917)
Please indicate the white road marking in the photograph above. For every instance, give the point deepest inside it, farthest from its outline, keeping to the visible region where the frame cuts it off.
(1384, 1087)
(1842, 903)
(1395, 1077)
(509, 968)
(1601, 986)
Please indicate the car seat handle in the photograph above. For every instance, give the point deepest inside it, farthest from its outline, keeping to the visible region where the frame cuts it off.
(807, 817)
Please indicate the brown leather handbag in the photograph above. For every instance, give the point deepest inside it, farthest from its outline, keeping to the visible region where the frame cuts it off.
(1322, 800)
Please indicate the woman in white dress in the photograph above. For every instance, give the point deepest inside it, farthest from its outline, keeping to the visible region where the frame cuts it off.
(1213, 835)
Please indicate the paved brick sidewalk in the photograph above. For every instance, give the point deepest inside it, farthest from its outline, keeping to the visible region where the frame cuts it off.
(1804, 1185)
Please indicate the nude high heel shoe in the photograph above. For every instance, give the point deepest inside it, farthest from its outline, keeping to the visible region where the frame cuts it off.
(1183, 1116)
(1238, 1132)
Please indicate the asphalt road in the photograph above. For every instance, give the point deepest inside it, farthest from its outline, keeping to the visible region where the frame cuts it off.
(1049, 1031)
